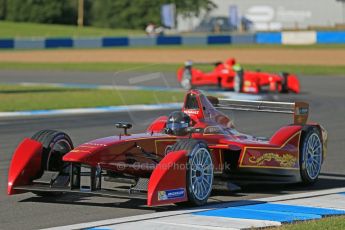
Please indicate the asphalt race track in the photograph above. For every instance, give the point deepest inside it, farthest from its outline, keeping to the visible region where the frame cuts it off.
(27, 211)
(91, 78)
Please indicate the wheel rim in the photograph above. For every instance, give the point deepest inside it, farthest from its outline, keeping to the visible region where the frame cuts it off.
(58, 150)
(201, 175)
(313, 156)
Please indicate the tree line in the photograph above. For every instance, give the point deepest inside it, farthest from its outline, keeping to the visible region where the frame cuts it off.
(131, 14)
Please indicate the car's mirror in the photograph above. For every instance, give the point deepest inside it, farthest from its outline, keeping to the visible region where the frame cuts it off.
(124, 126)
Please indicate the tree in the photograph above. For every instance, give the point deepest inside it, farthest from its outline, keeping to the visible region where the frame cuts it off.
(136, 14)
(131, 14)
(3, 9)
(124, 13)
(193, 7)
(42, 11)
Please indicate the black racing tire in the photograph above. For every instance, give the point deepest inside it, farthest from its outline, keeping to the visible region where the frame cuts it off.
(199, 179)
(238, 82)
(285, 77)
(55, 145)
(219, 83)
(259, 87)
(311, 153)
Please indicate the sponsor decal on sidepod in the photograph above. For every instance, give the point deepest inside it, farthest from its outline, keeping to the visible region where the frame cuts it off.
(171, 194)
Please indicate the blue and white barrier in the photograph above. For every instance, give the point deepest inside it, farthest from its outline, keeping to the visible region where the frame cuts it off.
(286, 38)
(326, 37)
(27, 44)
(299, 38)
(269, 38)
(6, 43)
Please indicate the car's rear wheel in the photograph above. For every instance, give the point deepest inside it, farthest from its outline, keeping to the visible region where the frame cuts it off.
(55, 145)
(199, 177)
(285, 88)
(311, 152)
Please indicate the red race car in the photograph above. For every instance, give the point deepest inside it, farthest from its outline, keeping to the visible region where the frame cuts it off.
(229, 75)
(179, 159)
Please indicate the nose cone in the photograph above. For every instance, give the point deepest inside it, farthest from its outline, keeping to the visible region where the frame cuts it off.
(91, 152)
(77, 156)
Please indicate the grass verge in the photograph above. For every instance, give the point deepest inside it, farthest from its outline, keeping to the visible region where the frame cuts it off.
(334, 223)
(27, 30)
(19, 98)
(142, 67)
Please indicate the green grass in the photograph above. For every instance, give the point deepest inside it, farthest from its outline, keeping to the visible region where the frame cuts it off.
(20, 30)
(19, 98)
(330, 223)
(142, 67)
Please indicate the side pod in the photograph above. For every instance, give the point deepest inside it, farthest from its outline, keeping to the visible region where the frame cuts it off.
(167, 183)
(285, 133)
(25, 164)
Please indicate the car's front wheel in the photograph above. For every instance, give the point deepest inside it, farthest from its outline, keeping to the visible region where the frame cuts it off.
(285, 78)
(55, 145)
(199, 177)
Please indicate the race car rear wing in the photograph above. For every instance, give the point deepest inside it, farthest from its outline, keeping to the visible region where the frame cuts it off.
(190, 63)
(300, 110)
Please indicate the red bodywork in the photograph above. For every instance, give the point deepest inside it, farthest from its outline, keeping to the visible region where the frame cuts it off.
(254, 82)
(25, 164)
(233, 153)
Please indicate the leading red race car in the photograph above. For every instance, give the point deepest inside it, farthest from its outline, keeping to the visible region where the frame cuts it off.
(229, 75)
(179, 159)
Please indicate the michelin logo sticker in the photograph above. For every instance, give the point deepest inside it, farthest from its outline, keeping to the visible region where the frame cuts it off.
(171, 194)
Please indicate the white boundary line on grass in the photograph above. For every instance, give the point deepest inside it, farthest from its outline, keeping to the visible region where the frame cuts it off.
(106, 109)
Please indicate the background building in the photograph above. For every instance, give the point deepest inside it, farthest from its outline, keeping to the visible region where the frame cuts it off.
(274, 14)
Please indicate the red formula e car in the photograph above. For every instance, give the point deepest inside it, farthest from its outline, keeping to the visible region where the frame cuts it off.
(179, 159)
(229, 75)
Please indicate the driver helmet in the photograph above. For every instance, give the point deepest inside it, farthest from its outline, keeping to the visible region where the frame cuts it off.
(177, 123)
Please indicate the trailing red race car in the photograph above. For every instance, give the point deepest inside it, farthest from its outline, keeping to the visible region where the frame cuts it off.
(229, 75)
(179, 159)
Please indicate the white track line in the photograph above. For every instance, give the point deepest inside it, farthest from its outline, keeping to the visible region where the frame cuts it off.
(153, 216)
